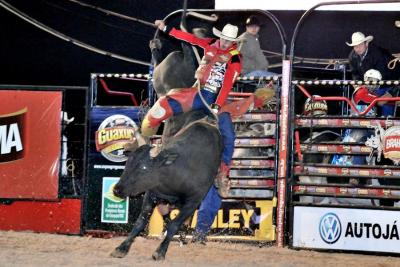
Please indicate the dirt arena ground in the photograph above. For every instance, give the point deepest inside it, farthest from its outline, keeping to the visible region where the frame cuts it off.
(45, 250)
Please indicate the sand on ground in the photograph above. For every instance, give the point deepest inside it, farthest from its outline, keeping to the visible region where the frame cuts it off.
(49, 250)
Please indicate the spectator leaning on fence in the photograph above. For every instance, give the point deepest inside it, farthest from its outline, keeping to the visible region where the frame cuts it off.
(254, 61)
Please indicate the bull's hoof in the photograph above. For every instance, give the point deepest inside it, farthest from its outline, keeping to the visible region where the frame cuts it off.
(118, 253)
(158, 256)
(199, 238)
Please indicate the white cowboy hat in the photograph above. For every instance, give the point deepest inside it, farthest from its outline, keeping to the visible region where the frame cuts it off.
(229, 32)
(358, 38)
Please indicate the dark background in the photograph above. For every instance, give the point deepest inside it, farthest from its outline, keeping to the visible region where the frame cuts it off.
(31, 56)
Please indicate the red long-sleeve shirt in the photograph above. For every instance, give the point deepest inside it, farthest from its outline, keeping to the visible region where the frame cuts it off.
(213, 67)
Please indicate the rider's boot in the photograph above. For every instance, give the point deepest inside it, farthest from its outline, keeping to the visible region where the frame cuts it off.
(222, 181)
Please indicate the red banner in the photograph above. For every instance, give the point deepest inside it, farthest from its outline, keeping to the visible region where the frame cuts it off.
(29, 144)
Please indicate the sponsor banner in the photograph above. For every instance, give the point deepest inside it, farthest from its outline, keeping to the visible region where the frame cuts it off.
(109, 129)
(391, 144)
(348, 171)
(113, 133)
(386, 142)
(346, 229)
(340, 149)
(30, 130)
(113, 209)
(248, 221)
(353, 122)
(12, 136)
(283, 153)
(344, 191)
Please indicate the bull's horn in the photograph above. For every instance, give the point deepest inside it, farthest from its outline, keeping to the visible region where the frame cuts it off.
(131, 146)
(140, 139)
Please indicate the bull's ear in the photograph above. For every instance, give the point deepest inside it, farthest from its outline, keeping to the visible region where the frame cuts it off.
(167, 158)
(171, 157)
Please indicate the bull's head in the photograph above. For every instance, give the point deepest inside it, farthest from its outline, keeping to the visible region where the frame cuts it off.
(142, 171)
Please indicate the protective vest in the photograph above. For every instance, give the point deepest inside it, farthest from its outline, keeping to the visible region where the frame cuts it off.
(212, 68)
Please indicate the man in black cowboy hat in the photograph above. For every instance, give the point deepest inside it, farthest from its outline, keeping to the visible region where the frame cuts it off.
(254, 62)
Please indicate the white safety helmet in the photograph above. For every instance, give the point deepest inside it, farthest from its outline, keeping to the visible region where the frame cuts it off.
(372, 74)
(315, 107)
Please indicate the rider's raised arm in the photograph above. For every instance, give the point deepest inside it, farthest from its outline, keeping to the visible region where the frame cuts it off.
(184, 36)
(190, 38)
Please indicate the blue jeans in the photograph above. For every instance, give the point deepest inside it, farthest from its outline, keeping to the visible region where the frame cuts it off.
(225, 124)
(208, 209)
(211, 203)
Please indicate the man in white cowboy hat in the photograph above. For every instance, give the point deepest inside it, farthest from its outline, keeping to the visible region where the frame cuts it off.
(217, 72)
(365, 56)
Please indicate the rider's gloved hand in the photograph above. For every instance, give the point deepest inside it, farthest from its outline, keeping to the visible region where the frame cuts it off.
(160, 24)
(215, 108)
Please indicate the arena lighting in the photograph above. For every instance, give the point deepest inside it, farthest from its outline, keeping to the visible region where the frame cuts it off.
(301, 5)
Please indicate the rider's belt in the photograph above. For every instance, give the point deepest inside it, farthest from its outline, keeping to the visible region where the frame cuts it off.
(210, 88)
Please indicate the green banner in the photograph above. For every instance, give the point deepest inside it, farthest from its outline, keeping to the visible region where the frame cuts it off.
(113, 209)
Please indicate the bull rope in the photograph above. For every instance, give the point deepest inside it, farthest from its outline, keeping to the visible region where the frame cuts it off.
(392, 63)
(112, 13)
(321, 61)
(183, 26)
(107, 12)
(204, 101)
(213, 17)
(66, 38)
(202, 121)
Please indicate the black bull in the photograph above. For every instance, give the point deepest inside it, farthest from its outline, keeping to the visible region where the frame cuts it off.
(181, 174)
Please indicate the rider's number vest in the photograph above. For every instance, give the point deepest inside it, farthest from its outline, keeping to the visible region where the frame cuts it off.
(212, 68)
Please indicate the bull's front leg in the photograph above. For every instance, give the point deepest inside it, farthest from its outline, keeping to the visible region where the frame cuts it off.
(172, 228)
(140, 224)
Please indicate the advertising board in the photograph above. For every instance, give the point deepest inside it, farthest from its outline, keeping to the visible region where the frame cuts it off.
(346, 229)
(110, 128)
(30, 129)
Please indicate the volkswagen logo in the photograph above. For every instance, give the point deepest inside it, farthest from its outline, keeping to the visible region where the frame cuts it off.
(330, 228)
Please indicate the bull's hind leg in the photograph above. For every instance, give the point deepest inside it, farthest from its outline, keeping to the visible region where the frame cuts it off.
(140, 224)
(173, 228)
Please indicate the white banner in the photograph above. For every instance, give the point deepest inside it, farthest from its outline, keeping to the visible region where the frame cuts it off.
(301, 5)
(346, 229)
